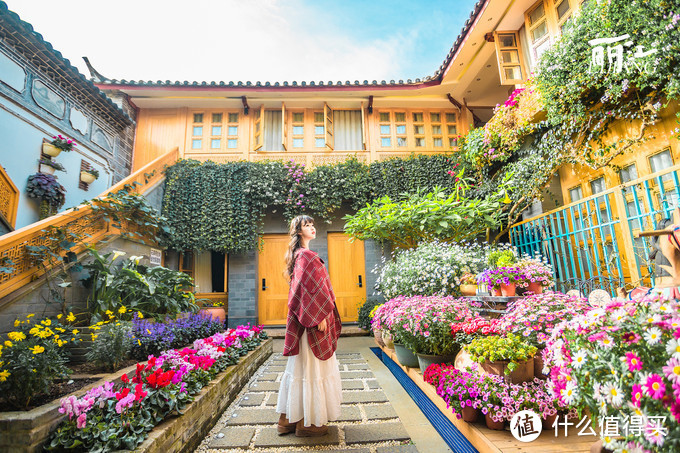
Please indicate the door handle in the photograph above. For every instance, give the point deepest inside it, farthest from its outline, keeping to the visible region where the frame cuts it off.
(263, 285)
(361, 285)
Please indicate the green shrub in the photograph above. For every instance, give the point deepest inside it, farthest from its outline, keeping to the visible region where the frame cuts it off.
(111, 344)
(364, 311)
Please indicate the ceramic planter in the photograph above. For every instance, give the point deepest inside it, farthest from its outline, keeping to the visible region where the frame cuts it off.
(508, 290)
(468, 290)
(470, 414)
(87, 178)
(523, 373)
(494, 425)
(405, 356)
(425, 360)
(50, 149)
(377, 335)
(46, 169)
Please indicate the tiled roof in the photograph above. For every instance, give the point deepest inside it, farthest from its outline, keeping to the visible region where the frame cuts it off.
(21, 36)
(428, 80)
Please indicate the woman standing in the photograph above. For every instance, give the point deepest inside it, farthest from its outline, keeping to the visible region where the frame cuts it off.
(311, 392)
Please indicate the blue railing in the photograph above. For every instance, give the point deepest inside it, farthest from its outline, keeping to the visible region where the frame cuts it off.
(595, 239)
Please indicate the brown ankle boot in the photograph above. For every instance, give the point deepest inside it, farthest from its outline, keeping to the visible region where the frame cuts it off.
(285, 426)
(310, 431)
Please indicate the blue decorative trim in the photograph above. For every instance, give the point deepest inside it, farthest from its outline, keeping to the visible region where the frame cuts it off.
(453, 438)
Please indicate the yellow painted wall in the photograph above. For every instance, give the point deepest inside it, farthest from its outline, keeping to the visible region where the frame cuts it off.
(158, 131)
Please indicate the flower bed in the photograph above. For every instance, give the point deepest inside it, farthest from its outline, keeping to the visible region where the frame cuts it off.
(130, 409)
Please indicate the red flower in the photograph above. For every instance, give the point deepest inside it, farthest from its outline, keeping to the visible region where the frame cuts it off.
(125, 378)
(122, 394)
(139, 392)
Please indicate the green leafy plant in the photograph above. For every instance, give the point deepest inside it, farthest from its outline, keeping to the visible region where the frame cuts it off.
(502, 258)
(111, 344)
(51, 163)
(155, 292)
(365, 310)
(511, 348)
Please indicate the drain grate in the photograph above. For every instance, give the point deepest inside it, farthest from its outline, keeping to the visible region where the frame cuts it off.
(453, 438)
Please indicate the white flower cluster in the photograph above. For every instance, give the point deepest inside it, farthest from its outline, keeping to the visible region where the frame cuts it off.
(433, 268)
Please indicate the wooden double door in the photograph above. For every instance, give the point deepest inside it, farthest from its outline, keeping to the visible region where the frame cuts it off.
(346, 267)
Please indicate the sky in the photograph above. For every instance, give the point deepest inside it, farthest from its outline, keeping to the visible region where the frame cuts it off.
(250, 40)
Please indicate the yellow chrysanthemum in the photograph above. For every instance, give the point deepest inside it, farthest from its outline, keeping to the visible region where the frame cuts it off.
(30, 316)
(70, 317)
(59, 329)
(4, 374)
(140, 315)
(94, 337)
(75, 331)
(46, 322)
(42, 334)
(59, 316)
(122, 310)
(8, 344)
(37, 349)
(17, 323)
(16, 336)
(108, 312)
(139, 342)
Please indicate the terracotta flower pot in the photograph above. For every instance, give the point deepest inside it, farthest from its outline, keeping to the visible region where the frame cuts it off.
(548, 421)
(215, 313)
(535, 287)
(523, 373)
(468, 290)
(494, 425)
(470, 414)
(387, 339)
(538, 365)
(377, 335)
(508, 290)
(496, 292)
(50, 149)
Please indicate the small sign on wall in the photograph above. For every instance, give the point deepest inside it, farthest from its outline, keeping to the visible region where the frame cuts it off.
(155, 257)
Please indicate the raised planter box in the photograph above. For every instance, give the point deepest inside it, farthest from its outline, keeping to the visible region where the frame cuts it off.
(491, 441)
(28, 431)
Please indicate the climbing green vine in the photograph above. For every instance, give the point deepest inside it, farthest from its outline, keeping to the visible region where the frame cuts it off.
(221, 207)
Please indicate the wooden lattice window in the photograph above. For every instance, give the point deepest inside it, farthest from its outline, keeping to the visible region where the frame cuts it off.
(9, 199)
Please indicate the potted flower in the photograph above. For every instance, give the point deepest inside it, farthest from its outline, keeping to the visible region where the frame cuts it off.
(462, 391)
(377, 332)
(57, 145)
(51, 194)
(508, 356)
(48, 166)
(468, 284)
(538, 275)
(89, 175)
(502, 279)
(214, 308)
(623, 361)
(534, 318)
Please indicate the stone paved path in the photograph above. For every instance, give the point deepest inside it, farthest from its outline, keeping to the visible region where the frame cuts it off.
(368, 423)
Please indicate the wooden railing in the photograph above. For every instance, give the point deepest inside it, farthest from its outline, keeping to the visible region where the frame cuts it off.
(81, 221)
(9, 198)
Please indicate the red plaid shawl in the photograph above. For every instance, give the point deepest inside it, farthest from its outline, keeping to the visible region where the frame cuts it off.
(310, 301)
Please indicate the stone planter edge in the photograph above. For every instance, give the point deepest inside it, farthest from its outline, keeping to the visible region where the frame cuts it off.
(27, 431)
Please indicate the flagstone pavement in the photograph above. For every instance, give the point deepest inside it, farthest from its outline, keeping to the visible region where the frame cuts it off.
(377, 416)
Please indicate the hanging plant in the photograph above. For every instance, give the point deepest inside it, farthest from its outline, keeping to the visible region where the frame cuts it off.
(46, 188)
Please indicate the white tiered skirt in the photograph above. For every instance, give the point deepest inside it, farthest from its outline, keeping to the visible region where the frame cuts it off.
(310, 388)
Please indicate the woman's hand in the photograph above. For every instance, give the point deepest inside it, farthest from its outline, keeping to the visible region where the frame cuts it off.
(322, 326)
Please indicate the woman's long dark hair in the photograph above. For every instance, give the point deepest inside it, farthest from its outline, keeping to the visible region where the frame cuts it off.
(295, 242)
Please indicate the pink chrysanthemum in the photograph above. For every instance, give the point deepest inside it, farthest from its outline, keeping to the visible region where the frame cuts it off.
(636, 395)
(634, 362)
(655, 386)
(672, 370)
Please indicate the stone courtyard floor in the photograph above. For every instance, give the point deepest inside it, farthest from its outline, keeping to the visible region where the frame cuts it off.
(378, 416)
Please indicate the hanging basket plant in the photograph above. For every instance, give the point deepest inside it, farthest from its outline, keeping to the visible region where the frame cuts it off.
(46, 188)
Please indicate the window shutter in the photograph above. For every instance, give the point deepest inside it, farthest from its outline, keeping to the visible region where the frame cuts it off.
(328, 126)
(258, 129)
(509, 56)
(284, 132)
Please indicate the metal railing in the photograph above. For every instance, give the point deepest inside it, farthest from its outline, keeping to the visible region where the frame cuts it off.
(81, 220)
(594, 240)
